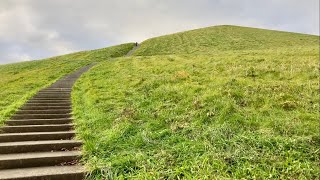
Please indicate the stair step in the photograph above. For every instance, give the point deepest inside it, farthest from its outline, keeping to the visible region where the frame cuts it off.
(48, 104)
(38, 146)
(40, 116)
(52, 95)
(30, 107)
(66, 84)
(57, 89)
(36, 128)
(54, 91)
(37, 136)
(38, 121)
(23, 160)
(44, 173)
(42, 92)
(53, 111)
(64, 81)
(48, 101)
(66, 91)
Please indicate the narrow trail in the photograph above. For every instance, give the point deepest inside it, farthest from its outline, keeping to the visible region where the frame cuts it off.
(132, 50)
(37, 142)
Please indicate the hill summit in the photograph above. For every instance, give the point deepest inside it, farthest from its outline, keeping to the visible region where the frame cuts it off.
(224, 38)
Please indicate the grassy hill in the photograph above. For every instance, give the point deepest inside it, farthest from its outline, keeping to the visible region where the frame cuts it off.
(20, 81)
(215, 103)
(222, 102)
(224, 38)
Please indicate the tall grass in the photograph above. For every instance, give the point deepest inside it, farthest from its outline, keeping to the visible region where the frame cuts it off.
(245, 114)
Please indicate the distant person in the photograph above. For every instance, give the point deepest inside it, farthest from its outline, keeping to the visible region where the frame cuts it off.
(136, 44)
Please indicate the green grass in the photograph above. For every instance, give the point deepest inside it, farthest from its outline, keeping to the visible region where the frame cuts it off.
(222, 102)
(204, 112)
(224, 38)
(20, 81)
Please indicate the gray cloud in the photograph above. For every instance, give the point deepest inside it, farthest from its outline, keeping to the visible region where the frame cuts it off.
(33, 29)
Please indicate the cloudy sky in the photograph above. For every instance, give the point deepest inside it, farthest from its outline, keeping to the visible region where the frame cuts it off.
(34, 29)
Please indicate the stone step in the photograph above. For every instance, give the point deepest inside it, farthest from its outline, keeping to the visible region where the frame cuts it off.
(56, 89)
(65, 82)
(44, 173)
(48, 104)
(50, 92)
(52, 95)
(62, 85)
(30, 107)
(51, 98)
(39, 116)
(24, 160)
(49, 101)
(38, 121)
(50, 111)
(53, 92)
(36, 128)
(38, 146)
(37, 136)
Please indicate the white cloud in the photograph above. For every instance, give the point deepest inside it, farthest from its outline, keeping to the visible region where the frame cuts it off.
(20, 57)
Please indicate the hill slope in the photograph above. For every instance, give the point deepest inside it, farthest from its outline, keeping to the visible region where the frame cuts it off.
(218, 102)
(20, 81)
(224, 38)
(222, 102)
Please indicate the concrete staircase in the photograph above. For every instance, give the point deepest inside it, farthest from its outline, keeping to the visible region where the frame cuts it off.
(37, 142)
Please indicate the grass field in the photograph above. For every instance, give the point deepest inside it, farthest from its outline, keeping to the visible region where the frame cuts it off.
(224, 38)
(222, 102)
(215, 103)
(20, 81)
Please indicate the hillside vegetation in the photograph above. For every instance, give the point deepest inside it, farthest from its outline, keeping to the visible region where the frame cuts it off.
(20, 81)
(223, 102)
(214, 103)
(224, 38)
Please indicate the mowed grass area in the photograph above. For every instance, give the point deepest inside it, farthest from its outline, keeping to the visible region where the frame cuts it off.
(224, 38)
(20, 81)
(231, 114)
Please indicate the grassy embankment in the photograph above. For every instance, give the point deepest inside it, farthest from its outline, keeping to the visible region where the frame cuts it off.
(221, 102)
(20, 81)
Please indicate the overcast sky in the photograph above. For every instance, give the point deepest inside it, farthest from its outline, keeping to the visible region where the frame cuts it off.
(34, 29)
